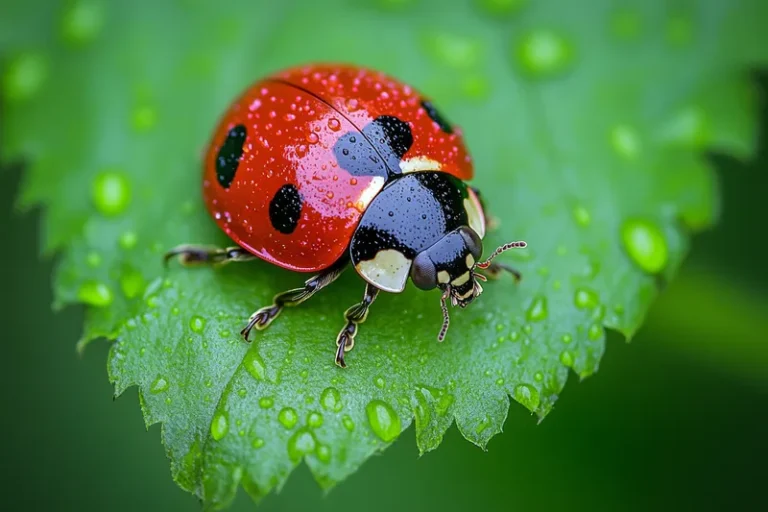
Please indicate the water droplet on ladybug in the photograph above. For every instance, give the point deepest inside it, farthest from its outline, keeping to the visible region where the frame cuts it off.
(334, 124)
(312, 138)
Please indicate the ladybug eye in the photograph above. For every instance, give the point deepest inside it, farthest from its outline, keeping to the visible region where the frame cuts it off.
(423, 272)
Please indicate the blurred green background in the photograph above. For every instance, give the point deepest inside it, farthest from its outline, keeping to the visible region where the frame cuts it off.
(673, 420)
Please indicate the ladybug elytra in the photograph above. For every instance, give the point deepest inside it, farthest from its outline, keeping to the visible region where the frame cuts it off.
(314, 168)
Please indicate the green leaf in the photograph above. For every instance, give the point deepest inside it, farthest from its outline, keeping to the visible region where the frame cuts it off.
(587, 125)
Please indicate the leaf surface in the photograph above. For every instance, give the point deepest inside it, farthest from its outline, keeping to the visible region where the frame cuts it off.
(587, 126)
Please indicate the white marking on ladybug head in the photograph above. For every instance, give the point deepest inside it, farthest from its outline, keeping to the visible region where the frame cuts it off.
(388, 270)
(443, 277)
(463, 278)
(470, 261)
(475, 214)
(419, 163)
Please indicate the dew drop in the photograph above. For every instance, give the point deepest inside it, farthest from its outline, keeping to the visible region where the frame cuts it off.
(24, 76)
(384, 421)
(301, 443)
(595, 332)
(348, 423)
(219, 425)
(242, 392)
(257, 443)
(312, 138)
(581, 216)
(379, 382)
(323, 453)
(645, 244)
(584, 298)
(93, 259)
(111, 192)
(334, 124)
(159, 385)
(538, 376)
(454, 50)
(567, 338)
(95, 293)
(538, 309)
(314, 419)
(128, 240)
(82, 21)
(266, 402)
(132, 283)
(287, 417)
(566, 357)
(499, 381)
(254, 364)
(527, 395)
(143, 118)
(625, 141)
(197, 323)
(330, 399)
(544, 52)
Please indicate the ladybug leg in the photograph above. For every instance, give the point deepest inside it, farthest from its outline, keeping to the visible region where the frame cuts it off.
(200, 254)
(264, 316)
(355, 315)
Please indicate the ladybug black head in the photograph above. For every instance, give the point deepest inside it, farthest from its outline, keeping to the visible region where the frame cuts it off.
(449, 265)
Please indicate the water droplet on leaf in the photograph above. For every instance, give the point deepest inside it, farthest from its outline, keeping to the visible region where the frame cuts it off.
(288, 417)
(581, 216)
(625, 141)
(24, 76)
(330, 399)
(219, 425)
(348, 423)
(254, 364)
(384, 421)
(314, 419)
(301, 443)
(584, 298)
(645, 244)
(111, 192)
(538, 309)
(197, 323)
(82, 21)
(544, 52)
(95, 293)
(159, 385)
(527, 395)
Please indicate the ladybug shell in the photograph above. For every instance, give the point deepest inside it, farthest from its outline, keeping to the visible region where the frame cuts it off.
(299, 156)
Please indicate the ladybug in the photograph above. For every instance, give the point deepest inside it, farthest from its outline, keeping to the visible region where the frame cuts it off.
(317, 167)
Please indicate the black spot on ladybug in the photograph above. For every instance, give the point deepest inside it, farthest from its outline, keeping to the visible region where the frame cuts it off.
(285, 209)
(434, 115)
(391, 133)
(385, 141)
(229, 155)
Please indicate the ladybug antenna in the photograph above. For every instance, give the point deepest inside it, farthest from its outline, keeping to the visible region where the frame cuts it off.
(446, 318)
(505, 247)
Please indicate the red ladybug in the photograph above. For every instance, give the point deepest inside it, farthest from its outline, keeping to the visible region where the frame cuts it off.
(319, 166)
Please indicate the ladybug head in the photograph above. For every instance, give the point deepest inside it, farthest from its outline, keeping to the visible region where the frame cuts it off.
(451, 264)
